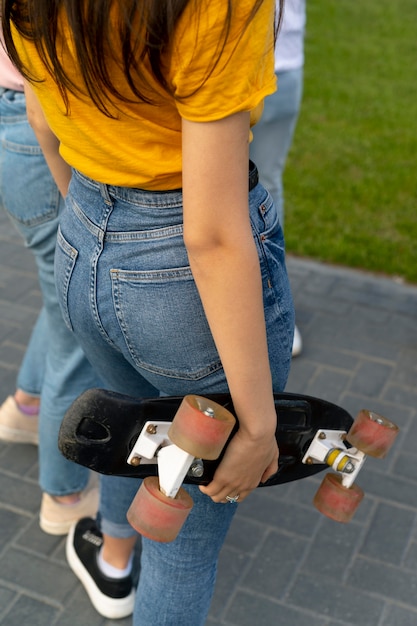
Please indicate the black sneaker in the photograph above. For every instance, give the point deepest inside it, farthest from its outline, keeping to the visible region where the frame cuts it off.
(111, 597)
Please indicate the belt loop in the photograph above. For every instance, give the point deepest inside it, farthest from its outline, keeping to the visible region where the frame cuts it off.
(104, 192)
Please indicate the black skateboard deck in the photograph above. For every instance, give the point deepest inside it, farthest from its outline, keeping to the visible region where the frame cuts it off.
(101, 427)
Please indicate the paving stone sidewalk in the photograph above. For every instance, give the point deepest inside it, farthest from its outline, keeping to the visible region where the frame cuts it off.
(283, 563)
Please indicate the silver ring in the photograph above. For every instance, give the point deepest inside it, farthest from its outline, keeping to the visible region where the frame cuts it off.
(234, 499)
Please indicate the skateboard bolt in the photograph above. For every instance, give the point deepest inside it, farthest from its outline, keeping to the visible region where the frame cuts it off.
(151, 429)
(309, 461)
(209, 412)
(349, 468)
(322, 436)
(135, 461)
(197, 469)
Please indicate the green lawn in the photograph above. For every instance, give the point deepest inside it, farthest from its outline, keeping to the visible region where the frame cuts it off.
(351, 176)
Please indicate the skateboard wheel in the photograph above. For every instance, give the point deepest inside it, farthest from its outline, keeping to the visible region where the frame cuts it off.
(336, 501)
(372, 434)
(201, 427)
(156, 516)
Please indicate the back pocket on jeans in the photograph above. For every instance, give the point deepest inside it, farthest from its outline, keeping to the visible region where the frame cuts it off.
(163, 322)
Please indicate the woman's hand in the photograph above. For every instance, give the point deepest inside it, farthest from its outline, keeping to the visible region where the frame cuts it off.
(247, 462)
(225, 264)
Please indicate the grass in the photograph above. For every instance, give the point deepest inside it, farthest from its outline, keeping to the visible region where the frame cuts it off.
(351, 176)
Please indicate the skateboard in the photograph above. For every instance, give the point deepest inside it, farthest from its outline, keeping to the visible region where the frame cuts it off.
(168, 441)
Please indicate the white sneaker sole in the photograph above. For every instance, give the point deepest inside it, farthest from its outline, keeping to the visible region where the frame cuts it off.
(18, 436)
(112, 608)
(54, 528)
(297, 345)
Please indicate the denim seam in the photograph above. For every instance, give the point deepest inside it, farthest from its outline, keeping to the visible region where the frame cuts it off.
(38, 221)
(157, 233)
(92, 228)
(260, 240)
(19, 148)
(100, 230)
(71, 253)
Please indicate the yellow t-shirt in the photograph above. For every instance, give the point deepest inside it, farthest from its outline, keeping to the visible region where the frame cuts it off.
(142, 147)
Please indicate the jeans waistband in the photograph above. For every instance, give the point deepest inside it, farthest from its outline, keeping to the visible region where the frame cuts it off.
(147, 209)
(253, 180)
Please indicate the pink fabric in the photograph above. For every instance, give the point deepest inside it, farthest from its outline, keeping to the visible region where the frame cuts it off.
(9, 76)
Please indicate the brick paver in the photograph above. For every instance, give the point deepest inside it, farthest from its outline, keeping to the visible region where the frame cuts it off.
(283, 564)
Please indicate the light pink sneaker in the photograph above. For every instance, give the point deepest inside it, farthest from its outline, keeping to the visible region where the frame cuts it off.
(57, 519)
(15, 425)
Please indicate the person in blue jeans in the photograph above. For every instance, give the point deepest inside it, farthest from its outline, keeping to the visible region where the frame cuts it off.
(170, 263)
(54, 370)
(272, 136)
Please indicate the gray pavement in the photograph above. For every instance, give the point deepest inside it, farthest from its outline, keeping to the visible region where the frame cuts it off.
(283, 563)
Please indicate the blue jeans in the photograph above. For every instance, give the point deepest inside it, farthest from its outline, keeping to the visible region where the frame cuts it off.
(126, 289)
(54, 365)
(272, 135)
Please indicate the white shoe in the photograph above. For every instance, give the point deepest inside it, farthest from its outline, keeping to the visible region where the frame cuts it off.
(15, 425)
(297, 344)
(56, 518)
(113, 598)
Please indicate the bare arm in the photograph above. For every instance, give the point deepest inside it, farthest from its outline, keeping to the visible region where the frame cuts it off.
(225, 266)
(49, 143)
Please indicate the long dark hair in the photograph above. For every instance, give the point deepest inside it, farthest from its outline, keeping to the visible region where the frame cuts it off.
(144, 31)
